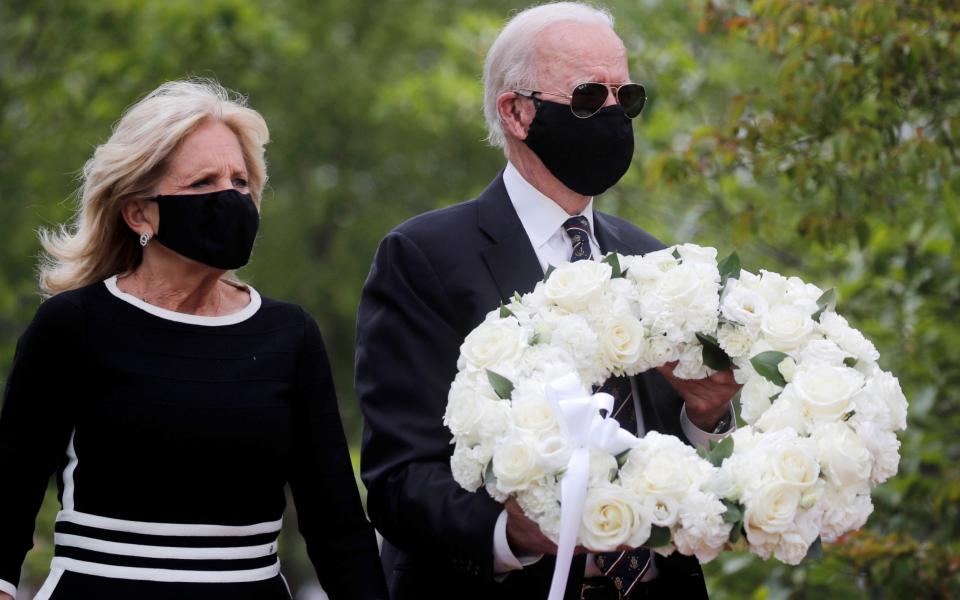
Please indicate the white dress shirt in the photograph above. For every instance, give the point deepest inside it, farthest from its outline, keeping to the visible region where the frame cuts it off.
(543, 219)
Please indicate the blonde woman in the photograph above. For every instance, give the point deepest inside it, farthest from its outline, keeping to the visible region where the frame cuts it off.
(172, 401)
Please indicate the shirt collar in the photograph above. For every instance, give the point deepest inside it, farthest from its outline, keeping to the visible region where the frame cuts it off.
(540, 216)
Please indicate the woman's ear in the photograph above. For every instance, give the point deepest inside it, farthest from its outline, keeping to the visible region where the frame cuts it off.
(140, 215)
(516, 114)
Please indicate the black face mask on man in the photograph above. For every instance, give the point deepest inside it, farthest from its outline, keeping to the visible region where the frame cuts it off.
(216, 229)
(587, 155)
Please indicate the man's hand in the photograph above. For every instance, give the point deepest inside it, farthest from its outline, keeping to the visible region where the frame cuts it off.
(707, 400)
(4, 596)
(523, 535)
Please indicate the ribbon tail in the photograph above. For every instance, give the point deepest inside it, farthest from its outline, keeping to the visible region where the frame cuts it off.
(573, 494)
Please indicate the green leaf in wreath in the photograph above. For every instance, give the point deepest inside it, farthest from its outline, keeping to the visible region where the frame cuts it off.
(676, 254)
(815, 551)
(735, 533)
(506, 312)
(713, 355)
(614, 261)
(766, 364)
(826, 301)
(850, 361)
(550, 270)
(720, 450)
(534, 339)
(488, 474)
(501, 385)
(622, 458)
(729, 268)
(734, 512)
(659, 536)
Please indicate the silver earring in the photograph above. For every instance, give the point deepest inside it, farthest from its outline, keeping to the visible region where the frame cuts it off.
(145, 239)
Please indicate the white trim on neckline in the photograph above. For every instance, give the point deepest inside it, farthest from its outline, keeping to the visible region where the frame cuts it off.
(171, 315)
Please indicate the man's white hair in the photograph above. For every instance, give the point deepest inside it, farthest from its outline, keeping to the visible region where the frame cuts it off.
(510, 63)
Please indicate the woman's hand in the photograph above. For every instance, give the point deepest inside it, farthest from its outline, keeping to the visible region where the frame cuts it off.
(4, 596)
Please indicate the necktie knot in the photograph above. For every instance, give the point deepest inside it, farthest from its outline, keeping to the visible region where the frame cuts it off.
(578, 230)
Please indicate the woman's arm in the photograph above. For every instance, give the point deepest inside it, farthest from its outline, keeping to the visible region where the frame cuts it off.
(340, 541)
(36, 424)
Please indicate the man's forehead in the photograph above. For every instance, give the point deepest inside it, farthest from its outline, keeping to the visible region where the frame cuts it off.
(573, 49)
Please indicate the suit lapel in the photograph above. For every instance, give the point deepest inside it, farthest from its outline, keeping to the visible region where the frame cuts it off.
(511, 259)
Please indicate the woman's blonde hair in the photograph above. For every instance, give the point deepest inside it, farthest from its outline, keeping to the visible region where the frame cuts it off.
(98, 243)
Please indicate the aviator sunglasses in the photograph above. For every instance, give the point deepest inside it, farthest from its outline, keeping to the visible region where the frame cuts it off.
(588, 98)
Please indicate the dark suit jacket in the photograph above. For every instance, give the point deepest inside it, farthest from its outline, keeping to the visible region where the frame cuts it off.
(432, 281)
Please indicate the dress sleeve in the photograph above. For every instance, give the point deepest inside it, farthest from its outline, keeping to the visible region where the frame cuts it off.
(340, 541)
(35, 424)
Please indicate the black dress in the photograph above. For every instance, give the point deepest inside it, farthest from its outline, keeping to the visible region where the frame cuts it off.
(172, 437)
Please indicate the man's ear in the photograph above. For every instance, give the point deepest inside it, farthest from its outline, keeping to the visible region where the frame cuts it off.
(516, 114)
(140, 215)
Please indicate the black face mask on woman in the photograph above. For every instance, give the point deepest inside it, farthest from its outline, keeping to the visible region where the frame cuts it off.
(216, 229)
(587, 155)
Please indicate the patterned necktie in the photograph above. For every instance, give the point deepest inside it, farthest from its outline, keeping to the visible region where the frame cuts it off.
(578, 230)
(624, 568)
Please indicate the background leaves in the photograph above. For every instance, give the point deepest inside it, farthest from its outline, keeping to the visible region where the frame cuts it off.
(816, 138)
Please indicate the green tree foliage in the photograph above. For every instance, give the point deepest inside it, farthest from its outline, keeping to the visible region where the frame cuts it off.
(818, 138)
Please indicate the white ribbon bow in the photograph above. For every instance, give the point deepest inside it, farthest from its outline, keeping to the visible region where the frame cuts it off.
(578, 414)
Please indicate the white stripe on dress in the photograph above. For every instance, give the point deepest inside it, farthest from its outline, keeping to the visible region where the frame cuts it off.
(237, 553)
(72, 461)
(168, 575)
(172, 529)
(50, 584)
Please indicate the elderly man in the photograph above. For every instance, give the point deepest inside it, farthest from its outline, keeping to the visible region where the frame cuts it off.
(559, 101)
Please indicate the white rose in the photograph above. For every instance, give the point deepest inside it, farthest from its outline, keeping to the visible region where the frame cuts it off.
(821, 352)
(826, 392)
(572, 286)
(621, 340)
(743, 305)
(697, 254)
(535, 416)
(466, 408)
(612, 518)
(843, 457)
(784, 412)
(794, 464)
(849, 339)
(491, 343)
(755, 397)
(662, 510)
(785, 327)
(515, 463)
(660, 476)
(658, 350)
(553, 453)
(771, 509)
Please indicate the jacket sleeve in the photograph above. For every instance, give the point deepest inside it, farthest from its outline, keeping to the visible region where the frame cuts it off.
(340, 541)
(407, 349)
(35, 424)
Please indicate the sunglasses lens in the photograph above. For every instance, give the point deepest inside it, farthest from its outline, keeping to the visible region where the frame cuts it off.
(588, 98)
(632, 97)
